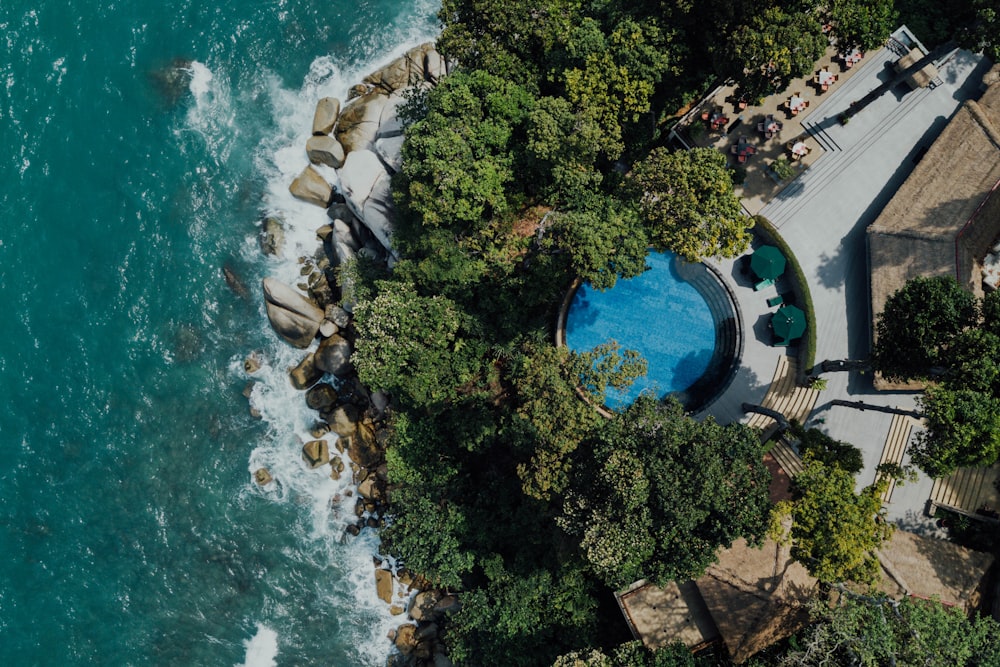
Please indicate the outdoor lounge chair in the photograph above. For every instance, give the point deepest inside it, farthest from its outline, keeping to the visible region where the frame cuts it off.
(775, 301)
(767, 282)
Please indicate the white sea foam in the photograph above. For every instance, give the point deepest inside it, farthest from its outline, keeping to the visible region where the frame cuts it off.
(327, 505)
(262, 648)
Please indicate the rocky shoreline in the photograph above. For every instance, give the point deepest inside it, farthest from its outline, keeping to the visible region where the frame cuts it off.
(361, 141)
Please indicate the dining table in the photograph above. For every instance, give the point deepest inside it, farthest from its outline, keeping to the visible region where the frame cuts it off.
(796, 103)
(799, 148)
(825, 77)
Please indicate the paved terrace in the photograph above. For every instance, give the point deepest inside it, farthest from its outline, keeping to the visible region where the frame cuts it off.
(822, 215)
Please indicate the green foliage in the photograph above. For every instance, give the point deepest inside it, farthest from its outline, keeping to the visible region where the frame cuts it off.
(521, 617)
(548, 420)
(633, 654)
(458, 160)
(834, 530)
(687, 201)
(909, 633)
(773, 47)
(782, 168)
(417, 348)
(962, 428)
(865, 24)
(917, 325)
(562, 148)
(656, 494)
(604, 242)
(818, 446)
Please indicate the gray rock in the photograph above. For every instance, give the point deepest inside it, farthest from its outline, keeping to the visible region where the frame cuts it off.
(343, 420)
(334, 355)
(293, 317)
(327, 328)
(338, 315)
(390, 150)
(310, 186)
(325, 117)
(272, 236)
(359, 121)
(325, 150)
(367, 188)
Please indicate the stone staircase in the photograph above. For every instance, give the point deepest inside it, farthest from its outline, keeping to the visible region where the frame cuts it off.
(787, 457)
(785, 396)
(895, 447)
(836, 158)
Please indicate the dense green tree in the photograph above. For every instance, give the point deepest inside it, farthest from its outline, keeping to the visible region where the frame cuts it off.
(549, 418)
(458, 161)
(522, 618)
(962, 428)
(562, 148)
(417, 348)
(632, 654)
(687, 201)
(818, 446)
(973, 361)
(918, 324)
(834, 530)
(865, 24)
(656, 494)
(604, 241)
(774, 46)
(909, 633)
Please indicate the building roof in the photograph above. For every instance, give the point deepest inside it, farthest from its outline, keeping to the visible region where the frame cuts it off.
(943, 219)
(927, 567)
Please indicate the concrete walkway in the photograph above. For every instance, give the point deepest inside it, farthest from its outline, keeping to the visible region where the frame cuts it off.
(822, 215)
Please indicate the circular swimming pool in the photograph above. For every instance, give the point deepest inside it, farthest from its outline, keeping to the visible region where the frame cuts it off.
(678, 315)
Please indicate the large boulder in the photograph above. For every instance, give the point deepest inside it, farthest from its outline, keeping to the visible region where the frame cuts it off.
(305, 374)
(321, 396)
(367, 187)
(293, 317)
(406, 640)
(325, 116)
(359, 121)
(364, 448)
(389, 123)
(343, 420)
(334, 355)
(415, 66)
(422, 606)
(325, 150)
(310, 186)
(383, 584)
(316, 453)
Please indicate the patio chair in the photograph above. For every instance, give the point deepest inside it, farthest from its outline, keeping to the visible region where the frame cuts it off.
(760, 126)
(767, 282)
(734, 149)
(741, 158)
(704, 115)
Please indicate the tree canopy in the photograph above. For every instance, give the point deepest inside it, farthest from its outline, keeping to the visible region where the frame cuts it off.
(656, 494)
(917, 325)
(834, 530)
(874, 631)
(687, 201)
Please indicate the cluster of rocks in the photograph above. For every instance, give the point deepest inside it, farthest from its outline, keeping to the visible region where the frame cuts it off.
(362, 142)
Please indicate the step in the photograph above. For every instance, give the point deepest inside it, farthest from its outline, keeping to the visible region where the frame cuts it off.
(895, 447)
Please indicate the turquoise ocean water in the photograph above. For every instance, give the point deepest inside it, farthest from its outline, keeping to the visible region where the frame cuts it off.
(130, 530)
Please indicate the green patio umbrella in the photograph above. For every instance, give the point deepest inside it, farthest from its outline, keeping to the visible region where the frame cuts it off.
(767, 262)
(789, 323)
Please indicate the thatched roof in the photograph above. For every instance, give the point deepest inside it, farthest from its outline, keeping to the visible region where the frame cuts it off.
(943, 219)
(756, 596)
(927, 567)
(661, 615)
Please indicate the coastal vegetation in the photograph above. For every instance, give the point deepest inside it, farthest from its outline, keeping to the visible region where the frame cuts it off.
(537, 161)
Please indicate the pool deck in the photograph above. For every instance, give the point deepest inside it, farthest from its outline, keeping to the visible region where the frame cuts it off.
(822, 215)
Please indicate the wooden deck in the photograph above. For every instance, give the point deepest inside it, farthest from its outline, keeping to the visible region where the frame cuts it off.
(967, 490)
(785, 396)
(895, 447)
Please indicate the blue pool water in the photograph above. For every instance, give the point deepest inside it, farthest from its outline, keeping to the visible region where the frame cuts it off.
(660, 315)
